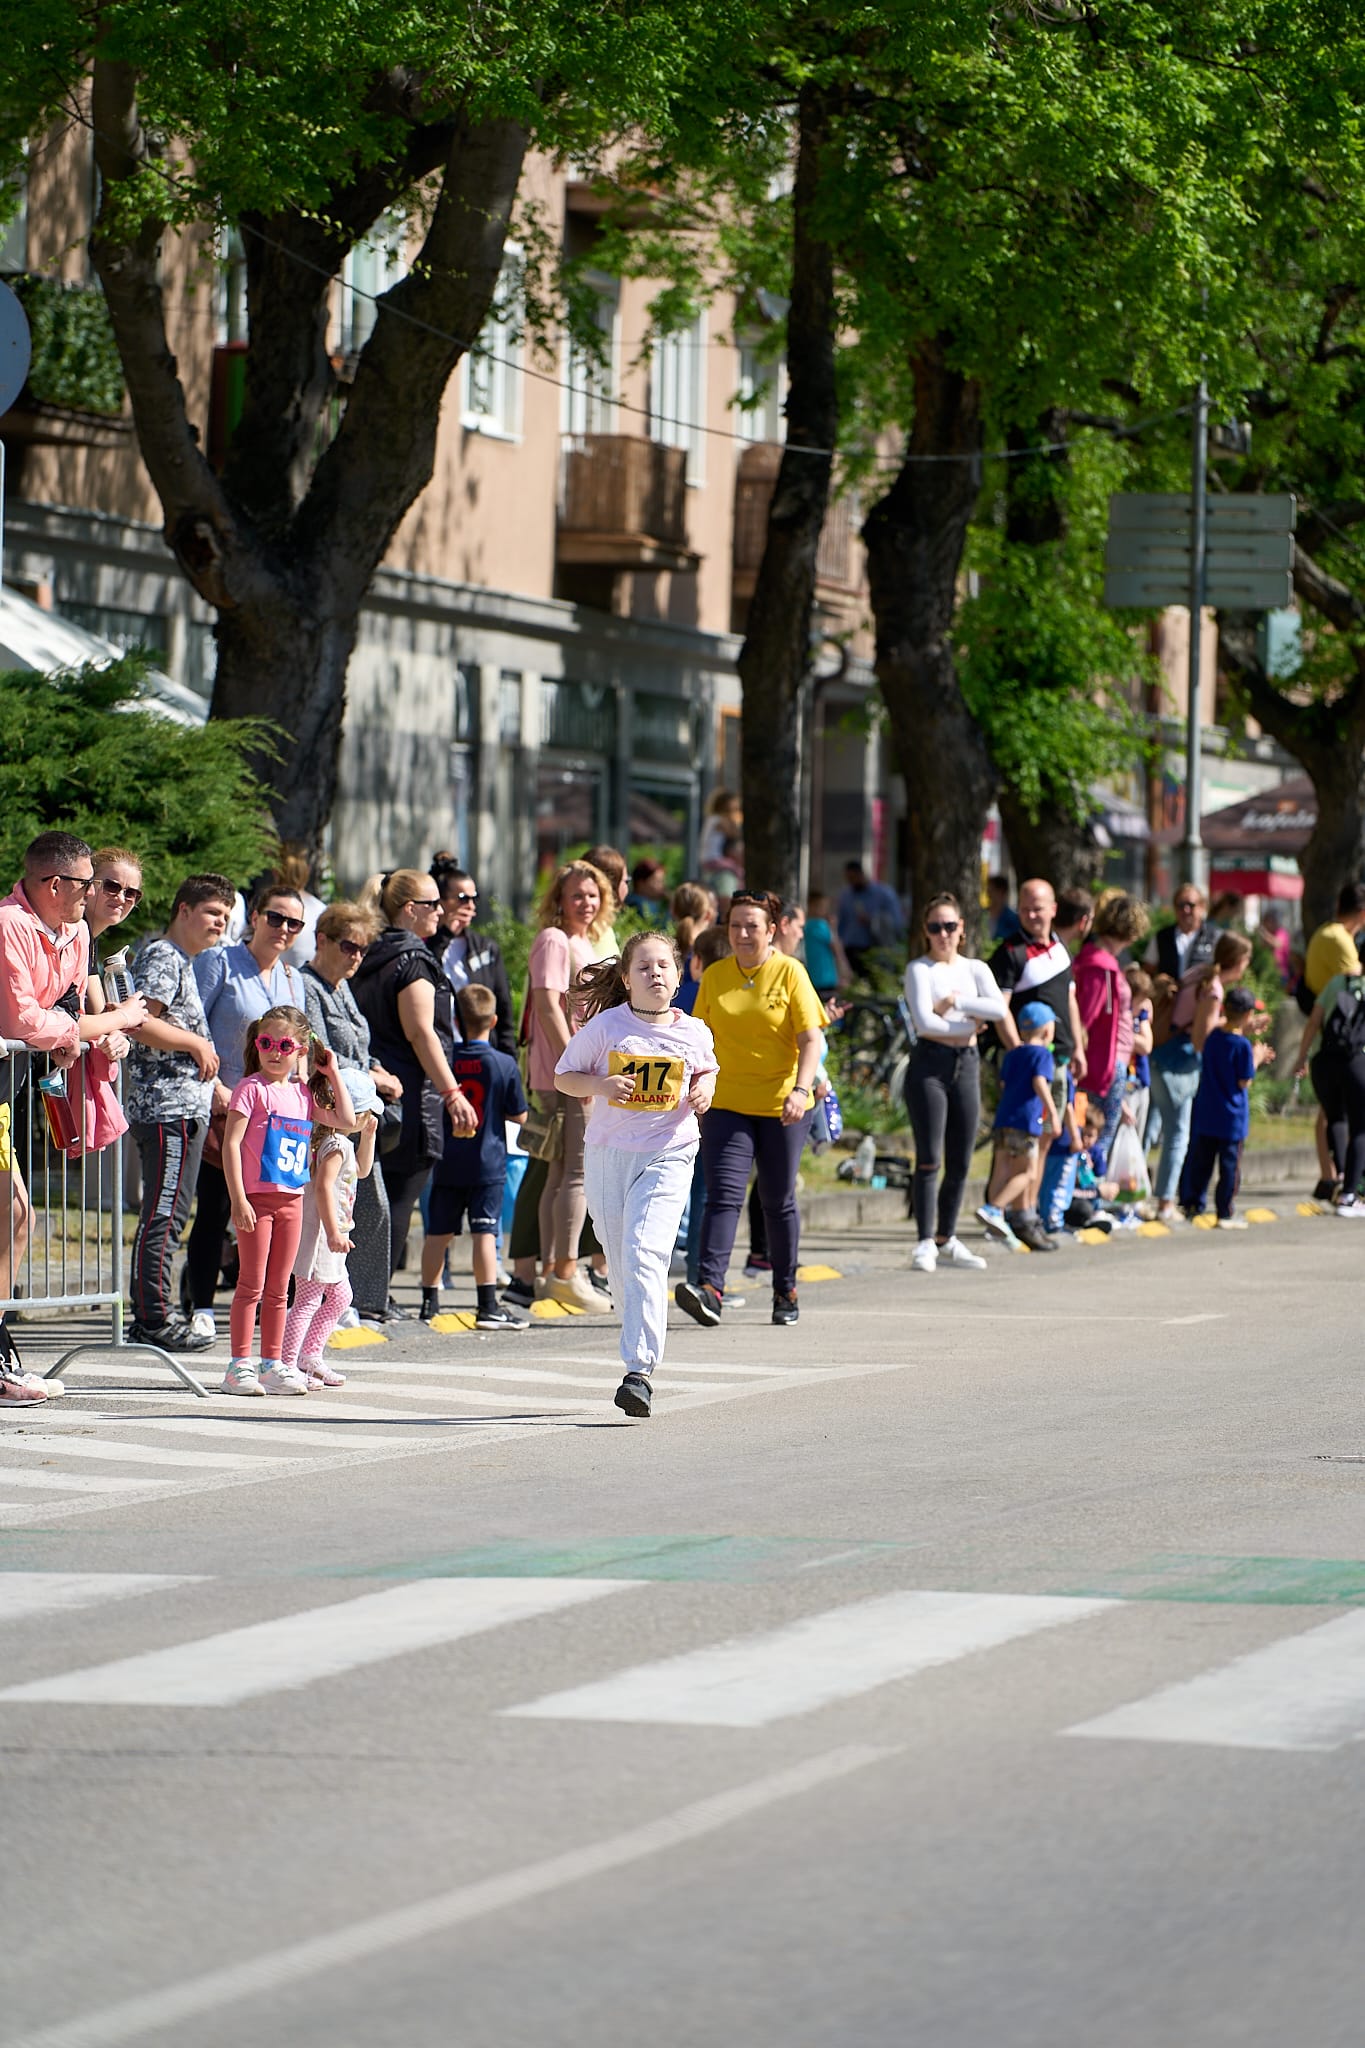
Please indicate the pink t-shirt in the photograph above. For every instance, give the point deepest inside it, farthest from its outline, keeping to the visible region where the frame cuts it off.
(279, 1126)
(555, 960)
(664, 1058)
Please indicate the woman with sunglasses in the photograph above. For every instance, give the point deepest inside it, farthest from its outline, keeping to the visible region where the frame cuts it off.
(408, 1004)
(950, 999)
(237, 985)
(342, 937)
(467, 954)
(114, 895)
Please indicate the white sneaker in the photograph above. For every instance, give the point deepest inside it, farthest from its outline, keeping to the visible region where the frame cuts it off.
(241, 1377)
(924, 1258)
(955, 1253)
(1349, 1205)
(202, 1324)
(281, 1379)
(1232, 1223)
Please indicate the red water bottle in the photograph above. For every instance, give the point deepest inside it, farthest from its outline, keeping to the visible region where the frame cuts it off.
(61, 1114)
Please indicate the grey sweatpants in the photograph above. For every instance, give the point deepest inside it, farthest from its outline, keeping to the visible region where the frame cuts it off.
(637, 1200)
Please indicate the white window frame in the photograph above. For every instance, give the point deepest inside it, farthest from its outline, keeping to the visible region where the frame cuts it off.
(764, 422)
(372, 265)
(14, 234)
(490, 373)
(589, 398)
(229, 288)
(677, 393)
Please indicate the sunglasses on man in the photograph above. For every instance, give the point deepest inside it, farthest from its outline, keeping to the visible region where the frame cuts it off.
(281, 923)
(86, 882)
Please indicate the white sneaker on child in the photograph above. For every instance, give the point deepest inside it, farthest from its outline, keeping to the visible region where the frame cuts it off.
(277, 1378)
(955, 1253)
(241, 1377)
(319, 1375)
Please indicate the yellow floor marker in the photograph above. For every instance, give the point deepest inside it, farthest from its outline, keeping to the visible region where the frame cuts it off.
(454, 1319)
(1262, 1216)
(1092, 1237)
(810, 1274)
(1312, 1209)
(1154, 1229)
(354, 1340)
(551, 1309)
(1205, 1222)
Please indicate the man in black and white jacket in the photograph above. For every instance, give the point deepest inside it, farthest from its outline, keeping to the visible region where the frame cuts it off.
(1035, 967)
(466, 955)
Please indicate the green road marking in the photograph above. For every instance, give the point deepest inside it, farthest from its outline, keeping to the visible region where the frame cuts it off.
(739, 1559)
(1245, 1581)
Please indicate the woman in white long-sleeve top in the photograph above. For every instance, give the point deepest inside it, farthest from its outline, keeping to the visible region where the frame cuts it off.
(949, 999)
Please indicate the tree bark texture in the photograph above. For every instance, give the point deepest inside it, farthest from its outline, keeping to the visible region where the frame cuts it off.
(915, 536)
(775, 660)
(1051, 847)
(284, 544)
(1328, 741)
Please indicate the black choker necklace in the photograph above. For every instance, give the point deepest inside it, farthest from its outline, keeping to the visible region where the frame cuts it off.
(649, 1013)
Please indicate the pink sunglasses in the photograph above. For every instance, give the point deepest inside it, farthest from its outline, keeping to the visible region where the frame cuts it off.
(265, 1043)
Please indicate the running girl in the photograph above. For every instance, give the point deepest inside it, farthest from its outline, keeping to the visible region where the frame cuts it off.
(265, 1162)
(322, 1290)
(652, 1069)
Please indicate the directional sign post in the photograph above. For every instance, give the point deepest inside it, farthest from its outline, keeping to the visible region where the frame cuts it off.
(1168, 548)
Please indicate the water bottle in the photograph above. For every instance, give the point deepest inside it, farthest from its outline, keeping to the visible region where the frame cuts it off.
(118, 979)
(60, 1113)
(865, 1158)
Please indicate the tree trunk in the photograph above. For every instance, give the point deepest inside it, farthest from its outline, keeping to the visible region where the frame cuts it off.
(1328, 742)
(775, 660)
(284, 544)
(915, 536)
(1052, 848)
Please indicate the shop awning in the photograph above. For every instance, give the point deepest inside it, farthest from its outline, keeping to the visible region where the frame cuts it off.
(1279, 887)
(1274, 821)
(1117, 818)
(31, 638)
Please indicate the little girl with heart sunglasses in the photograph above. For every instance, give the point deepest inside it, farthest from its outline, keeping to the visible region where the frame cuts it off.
(266, 1164)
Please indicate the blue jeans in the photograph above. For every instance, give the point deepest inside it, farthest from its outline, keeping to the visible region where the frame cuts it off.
(1058, 1190)
(1175, 1083)
(1204, 1153)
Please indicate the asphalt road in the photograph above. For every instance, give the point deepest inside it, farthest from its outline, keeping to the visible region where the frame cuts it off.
(980, 1662)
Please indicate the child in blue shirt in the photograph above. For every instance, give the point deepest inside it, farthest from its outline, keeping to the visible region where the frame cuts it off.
(471, 1173)
(1222, 1112)
(1025, 1110)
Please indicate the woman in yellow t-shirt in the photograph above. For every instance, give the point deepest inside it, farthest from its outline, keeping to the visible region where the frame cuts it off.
(766, 1020)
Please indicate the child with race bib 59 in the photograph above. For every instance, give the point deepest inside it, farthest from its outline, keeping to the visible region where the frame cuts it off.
(266, 1165)
(648, 1071)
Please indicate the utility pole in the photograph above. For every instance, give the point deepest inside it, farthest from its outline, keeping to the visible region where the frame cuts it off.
(1193, 858)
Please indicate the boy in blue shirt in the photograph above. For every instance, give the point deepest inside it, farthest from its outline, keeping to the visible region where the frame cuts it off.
(1025, 1110)
(471, 1173)
(1222, 1112)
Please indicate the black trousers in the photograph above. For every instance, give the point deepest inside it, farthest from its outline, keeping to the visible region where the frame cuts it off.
(204, 1254)
(943, 1096)
(170, 1154)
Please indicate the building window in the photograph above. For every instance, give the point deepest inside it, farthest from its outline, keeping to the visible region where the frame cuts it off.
(229, 299)
(14, 233)
(371, 267)
(589, 400)
(677, 393)
(762, 393)
(491, 370)
(509, 708)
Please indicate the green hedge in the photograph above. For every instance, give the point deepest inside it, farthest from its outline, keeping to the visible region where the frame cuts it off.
(75, 357)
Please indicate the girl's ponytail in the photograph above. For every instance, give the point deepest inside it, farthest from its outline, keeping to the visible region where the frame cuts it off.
(599, 987)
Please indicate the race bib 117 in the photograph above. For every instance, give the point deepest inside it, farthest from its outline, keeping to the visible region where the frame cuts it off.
(658, 1083)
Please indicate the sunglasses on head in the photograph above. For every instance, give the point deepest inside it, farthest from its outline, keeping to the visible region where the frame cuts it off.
(351, 949)
(948, 924)
(282, 923)
(116, 891)
(748, 896)
(265, 1043)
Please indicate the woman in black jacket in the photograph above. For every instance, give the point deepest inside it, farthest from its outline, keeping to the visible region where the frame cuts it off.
(467, 954)
(408, 1003)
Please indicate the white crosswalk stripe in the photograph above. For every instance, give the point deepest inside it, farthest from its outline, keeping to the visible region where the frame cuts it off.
(298, 1649)
(69, 1482)
(23, 1595)
(811, 1663)
(1304, 1692)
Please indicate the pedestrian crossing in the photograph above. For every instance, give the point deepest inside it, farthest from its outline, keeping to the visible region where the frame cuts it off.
(1303, 1692)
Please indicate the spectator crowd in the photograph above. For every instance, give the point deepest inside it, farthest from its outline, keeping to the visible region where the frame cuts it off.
(303, 1078)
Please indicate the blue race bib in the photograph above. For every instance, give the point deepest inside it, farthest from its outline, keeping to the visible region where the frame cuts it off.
(284, 1154)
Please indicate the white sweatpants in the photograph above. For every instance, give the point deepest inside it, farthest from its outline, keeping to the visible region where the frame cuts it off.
(636, 1201)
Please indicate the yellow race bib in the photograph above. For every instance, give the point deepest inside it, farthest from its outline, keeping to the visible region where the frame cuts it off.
(658, 1083)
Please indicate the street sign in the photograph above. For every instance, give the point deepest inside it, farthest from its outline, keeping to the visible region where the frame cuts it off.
(14, 347)
(1225, 550)
(1248, 550)
(1232, 589)
(1169, 512)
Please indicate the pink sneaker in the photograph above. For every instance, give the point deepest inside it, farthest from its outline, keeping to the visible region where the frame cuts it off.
(21, 1389)
(321, 1375)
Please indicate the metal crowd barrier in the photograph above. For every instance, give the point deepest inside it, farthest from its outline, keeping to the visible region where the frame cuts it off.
(63, 1206)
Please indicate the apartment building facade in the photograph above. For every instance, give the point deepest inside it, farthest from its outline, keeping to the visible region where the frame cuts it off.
(547, 655)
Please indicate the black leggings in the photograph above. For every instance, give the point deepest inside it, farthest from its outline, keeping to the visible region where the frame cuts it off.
(943, 1096)
(1340, 1087)
(204, 1252)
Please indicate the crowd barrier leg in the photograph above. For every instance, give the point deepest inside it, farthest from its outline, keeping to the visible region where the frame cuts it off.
(42, 1143)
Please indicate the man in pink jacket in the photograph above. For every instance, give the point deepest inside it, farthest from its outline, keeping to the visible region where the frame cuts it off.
(44, 962)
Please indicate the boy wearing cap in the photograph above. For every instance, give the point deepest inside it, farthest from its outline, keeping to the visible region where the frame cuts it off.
(1222, 1111)
(1025, 1110)
(471, 1174)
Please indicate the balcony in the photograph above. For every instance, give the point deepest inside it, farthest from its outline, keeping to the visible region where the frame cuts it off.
(836, 564)
(623, 505)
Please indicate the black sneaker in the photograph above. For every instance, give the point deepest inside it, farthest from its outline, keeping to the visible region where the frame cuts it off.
(785, 1309)
(431, 1303)
(394, 1312)
(174, 1334)
(518, 1294)
(1325, 1191)
(633, 1396)
(501, 1317)
(599, 1280)
(1034, 1236)
(702, 1303)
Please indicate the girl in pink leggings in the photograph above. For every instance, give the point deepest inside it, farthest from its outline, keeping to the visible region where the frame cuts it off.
(266, 1164)
(322, 1291)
